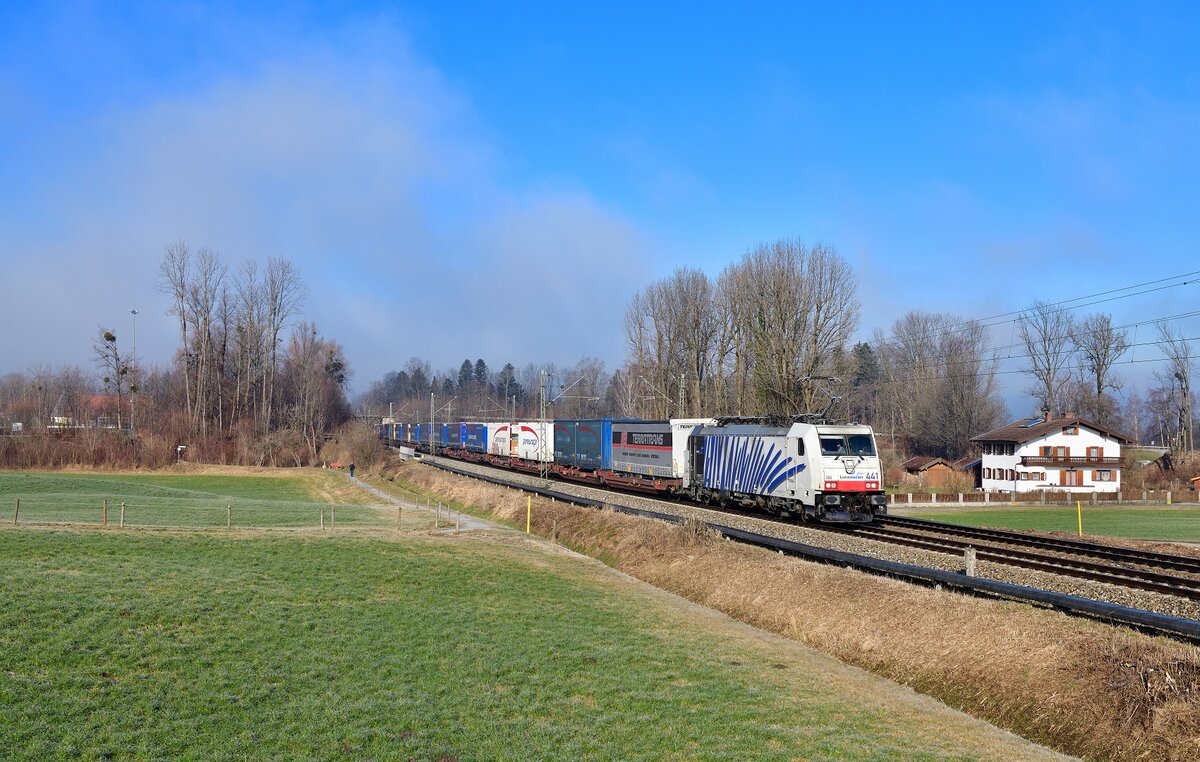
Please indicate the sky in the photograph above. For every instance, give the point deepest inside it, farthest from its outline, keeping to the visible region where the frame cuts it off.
(496, 180)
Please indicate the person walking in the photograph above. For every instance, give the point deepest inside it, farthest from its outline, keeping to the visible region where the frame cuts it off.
(351, 470)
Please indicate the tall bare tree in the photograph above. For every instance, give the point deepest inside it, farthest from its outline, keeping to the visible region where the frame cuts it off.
(284, 293)
(1099, 346)
(1046, 336)
(1181, 364)
(113, 365)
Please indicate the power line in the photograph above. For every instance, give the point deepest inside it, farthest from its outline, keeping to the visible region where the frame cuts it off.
(942, 361)
(993, 320)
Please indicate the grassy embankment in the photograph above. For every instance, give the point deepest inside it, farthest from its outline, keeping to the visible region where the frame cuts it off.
(1150, 523)
(291, 498)
(374, 644)
(1079, 685)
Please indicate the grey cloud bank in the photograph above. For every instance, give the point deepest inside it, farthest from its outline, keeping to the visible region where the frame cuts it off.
(375, 179)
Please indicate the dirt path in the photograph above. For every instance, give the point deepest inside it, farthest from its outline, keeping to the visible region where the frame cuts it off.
(462, 520)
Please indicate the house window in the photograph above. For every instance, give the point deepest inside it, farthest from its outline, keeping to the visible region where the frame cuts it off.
(1094, 453)
(1072, 430)
(1071, 479)
(1060, 453)
(1104, 476)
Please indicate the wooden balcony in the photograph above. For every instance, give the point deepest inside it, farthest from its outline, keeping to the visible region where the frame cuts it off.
(1051, 460)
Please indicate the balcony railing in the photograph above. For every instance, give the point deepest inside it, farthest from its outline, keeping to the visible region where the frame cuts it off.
(1066, 460)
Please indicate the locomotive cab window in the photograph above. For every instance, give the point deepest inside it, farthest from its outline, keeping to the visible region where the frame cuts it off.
(861, 444)
(833, 446)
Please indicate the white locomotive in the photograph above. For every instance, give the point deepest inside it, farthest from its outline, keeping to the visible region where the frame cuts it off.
(819, 471)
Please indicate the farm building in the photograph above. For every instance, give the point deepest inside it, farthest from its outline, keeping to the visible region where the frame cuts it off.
(932, 472)
(1051, 452)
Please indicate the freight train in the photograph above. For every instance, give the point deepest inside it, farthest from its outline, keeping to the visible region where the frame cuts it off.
(823, 472)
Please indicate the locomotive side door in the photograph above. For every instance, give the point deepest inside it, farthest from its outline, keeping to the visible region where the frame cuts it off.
(696, 455)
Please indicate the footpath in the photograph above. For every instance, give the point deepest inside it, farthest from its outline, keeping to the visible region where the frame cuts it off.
(461, 520)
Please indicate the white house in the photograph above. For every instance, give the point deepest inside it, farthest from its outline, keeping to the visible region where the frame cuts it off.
(1052, 453)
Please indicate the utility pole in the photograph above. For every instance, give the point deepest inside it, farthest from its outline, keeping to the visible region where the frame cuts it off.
(542, 395)
(431, 445)
(133, 396)
(681, 376)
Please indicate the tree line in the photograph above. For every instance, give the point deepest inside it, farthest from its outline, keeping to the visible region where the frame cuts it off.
(771, 335)
(251, 381)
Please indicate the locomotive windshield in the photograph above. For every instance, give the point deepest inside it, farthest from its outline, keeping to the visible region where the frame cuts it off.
(852, 444)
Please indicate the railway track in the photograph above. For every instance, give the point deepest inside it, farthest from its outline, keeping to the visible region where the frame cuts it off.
(1061, 545)
(1124, 576)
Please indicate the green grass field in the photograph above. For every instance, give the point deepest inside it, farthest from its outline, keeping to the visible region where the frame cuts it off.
(189, 500)
(1182, 524)
(207, 646)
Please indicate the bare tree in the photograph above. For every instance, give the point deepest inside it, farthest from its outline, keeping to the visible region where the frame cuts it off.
(174, 276)
(1181, 363)
(1100, 346)
(283, 293)
(113, 365)
(937, 383)
(1046, 336)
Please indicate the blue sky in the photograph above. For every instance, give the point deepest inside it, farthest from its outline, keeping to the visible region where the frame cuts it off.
(517, 170)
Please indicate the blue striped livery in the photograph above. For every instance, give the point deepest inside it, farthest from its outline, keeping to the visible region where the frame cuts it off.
(746, 464)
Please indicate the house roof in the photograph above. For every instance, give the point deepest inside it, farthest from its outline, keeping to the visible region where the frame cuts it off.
(962, 464)
(923, 463)
(1029, 429)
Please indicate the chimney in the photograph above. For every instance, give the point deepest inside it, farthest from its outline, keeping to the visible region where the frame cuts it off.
(1046, 414)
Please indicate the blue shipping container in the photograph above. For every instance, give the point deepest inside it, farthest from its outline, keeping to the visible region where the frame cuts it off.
(475, 437)
(583, 443)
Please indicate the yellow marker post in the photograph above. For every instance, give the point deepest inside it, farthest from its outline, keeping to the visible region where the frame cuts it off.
(528, 512)
(1079, 514)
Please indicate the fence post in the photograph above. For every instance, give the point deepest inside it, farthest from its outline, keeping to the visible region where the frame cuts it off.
(398, 509)
(17, 512)
(987, 498)
(933, 498)
(1042, 496)
(960, 497)
(528, 512)
(122, 514)
(229, 515)
(969, 557)
(437, 514)
(104, 514)
(332, 517)
(1168, 497)
(321, 518)
(910, 498)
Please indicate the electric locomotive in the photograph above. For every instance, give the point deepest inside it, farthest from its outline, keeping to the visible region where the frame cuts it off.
(816, 471)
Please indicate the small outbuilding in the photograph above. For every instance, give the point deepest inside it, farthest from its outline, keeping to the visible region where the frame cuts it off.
(930, 471)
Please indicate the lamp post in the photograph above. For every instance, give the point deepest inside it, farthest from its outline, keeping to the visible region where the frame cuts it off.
(133, 395)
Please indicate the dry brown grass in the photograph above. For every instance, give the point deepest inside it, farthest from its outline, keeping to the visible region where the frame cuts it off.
(1079, 686)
